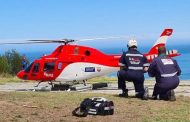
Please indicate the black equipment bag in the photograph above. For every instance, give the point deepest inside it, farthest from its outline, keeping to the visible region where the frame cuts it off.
(94, 106)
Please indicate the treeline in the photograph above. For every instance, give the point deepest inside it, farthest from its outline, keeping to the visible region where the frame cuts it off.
(10, 62)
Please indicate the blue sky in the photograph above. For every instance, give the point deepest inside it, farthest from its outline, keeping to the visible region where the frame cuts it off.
(78, 19)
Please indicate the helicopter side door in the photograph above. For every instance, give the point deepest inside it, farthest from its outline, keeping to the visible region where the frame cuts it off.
(35, 73)
(49, 71)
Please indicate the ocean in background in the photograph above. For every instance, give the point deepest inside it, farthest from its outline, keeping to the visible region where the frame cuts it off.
(183, 59)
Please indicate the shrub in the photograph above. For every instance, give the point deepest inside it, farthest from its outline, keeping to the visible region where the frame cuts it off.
(10, 62)
(4, 66)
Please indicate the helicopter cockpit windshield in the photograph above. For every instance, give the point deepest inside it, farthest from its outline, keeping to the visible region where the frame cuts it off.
(27, 70)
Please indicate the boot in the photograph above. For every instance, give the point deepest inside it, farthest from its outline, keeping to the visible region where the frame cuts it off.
(155, 97)
(124, 93)
(145, 95)
(171, 95)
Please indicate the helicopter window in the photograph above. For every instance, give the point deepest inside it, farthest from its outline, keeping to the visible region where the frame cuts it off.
(76, 50)
(87, 53)
(27, 70)
(59, 66)
(49, 66)
(36, 67)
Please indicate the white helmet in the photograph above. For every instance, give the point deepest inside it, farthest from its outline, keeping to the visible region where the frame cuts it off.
(132, 42)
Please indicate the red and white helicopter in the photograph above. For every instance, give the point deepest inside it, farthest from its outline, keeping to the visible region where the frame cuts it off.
(70, 63)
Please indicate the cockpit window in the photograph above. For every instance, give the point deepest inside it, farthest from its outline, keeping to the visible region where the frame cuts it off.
(36, 68)
(49, 66)
(27, 70)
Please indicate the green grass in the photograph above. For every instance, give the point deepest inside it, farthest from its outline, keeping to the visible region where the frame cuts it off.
(103, 79)
(9, 79)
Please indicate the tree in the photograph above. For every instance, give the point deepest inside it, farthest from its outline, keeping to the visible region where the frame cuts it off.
(4, 66)
(14, 60)
(11, 62)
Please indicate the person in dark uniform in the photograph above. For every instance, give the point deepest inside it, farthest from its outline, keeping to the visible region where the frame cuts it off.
(133, 65)
(166, 71)
(24, 62)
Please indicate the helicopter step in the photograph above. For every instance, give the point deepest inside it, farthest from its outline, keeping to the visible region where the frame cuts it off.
(81, 87)
(60, 87)
(95, 86)
(99, 85)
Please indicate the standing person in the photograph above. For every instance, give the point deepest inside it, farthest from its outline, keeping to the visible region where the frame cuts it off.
(24, 62)
(133, 64)
(166, 71)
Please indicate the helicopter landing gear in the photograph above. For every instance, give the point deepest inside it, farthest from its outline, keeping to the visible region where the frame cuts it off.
(38, 84)
(84, 82)
(50, 83)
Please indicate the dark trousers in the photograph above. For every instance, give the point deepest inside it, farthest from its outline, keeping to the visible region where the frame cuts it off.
(137, 77)
(164, 85)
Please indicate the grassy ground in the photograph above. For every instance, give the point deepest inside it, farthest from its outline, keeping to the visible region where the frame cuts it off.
(9, 79)
(103, 79)
(58, 106)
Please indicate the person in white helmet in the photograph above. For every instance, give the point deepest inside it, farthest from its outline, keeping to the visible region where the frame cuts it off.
(133, 65)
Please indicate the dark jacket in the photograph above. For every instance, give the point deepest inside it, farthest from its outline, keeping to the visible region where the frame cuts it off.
(165, 69)
(133, 60)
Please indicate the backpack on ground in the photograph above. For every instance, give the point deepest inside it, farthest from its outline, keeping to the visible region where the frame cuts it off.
(94, 106)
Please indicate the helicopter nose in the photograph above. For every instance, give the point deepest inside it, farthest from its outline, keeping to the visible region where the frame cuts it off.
(20, 74)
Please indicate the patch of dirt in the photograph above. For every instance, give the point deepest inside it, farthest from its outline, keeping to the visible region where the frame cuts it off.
(58, 107)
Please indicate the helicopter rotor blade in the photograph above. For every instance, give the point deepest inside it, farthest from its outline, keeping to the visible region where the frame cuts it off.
(104, 38)
(42, 40)
(54, 41)
(64, 41)
(22, 43)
